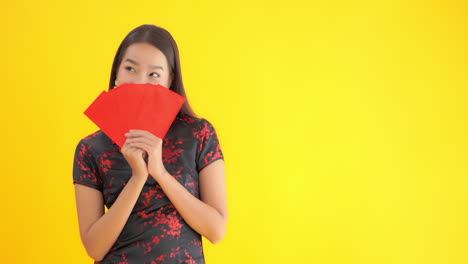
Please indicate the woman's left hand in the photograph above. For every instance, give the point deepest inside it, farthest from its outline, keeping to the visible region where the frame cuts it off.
(152, 145)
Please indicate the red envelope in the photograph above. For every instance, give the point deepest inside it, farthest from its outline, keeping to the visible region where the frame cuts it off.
(103, 112)
(127, 98)
(135, 106)
(160, 108)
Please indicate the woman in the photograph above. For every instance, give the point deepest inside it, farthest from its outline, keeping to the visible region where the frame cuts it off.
(162, 195)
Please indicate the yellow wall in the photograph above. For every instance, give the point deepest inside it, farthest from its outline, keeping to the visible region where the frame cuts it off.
(343, 123)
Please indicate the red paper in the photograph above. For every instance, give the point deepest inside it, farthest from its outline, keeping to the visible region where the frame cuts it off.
(157, 100)
(135, 106)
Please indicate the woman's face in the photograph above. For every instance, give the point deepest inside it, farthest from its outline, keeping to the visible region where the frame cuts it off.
(144, 63)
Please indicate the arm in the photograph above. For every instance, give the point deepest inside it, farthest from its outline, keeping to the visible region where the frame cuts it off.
(207, 216)
(99, 230)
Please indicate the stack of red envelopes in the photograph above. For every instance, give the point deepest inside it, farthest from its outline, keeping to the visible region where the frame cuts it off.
(135, 106)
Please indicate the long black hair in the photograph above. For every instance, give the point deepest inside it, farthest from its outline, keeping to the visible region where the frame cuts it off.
(162, 40)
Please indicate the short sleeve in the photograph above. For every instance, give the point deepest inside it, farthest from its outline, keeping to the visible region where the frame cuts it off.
(209, 149)
(85, 170)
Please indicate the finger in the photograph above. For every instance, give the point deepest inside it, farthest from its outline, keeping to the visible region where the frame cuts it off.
(137, 152)
(141, 153)
(126, 145)
(142, 146)
(135, 148)
(143, 133)
(150, 141)
(144, 140)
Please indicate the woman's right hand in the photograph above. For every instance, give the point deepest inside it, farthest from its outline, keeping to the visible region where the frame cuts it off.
(135, 157)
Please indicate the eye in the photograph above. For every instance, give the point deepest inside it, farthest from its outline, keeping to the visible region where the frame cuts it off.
(128, 68)
(156, 74)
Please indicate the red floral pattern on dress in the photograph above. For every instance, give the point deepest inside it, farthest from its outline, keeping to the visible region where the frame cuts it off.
(155, 232)
(171, 151)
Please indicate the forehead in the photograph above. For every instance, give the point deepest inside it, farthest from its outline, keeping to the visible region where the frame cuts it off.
(145, 54)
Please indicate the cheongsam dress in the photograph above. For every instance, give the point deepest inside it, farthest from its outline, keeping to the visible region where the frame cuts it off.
(155, 232)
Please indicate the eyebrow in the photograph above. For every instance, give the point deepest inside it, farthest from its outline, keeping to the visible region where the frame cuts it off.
(152, 66)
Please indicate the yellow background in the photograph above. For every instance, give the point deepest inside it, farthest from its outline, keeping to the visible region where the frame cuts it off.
(343, 123)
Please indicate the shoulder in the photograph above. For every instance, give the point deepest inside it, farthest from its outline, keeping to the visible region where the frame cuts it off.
(197, 123)
(96, 143)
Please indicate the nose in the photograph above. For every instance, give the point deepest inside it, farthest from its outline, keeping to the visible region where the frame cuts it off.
(140, 80)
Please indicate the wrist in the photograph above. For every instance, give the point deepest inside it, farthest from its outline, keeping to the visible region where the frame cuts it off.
(139, 179)
(140, 173)
(160, 175)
